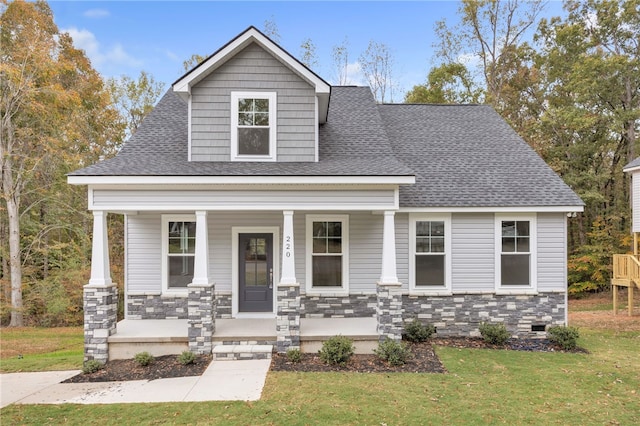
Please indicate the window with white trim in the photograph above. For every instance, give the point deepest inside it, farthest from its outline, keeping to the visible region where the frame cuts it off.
(178, 251)
(253, 126)
(516, 251)
(430, 253)
(327, 253)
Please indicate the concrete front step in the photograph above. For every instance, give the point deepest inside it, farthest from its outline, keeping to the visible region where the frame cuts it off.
(241, 352)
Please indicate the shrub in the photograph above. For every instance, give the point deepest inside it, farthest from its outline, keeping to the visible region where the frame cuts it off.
(395, 353)
(294, 355)
(417, 332)
(566, 337)
(336, 350)
(143, 358)
(495, 334)
(92, 366)
(186, 358)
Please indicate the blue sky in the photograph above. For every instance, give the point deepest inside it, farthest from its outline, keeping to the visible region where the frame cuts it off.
(125, 37)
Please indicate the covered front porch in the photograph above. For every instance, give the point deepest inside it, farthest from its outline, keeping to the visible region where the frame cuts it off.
(170, 336)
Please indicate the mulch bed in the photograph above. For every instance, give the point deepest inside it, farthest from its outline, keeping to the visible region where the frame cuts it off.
(162, 367)
(423, 360)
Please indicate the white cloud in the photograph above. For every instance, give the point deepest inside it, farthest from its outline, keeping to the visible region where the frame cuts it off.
(115, 55)
(97, 13)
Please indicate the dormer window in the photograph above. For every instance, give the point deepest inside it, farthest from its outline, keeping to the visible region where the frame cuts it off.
(253, 126)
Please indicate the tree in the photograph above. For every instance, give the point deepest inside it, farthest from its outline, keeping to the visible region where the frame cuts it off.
(135, 98)
(270, 29)
(308, 55)
(53, 110)
(446, 84)
(491, 31)
(376, 63)
(340, 57)
(193, 61)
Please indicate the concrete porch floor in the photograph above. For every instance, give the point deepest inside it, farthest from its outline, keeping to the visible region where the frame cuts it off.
(164, 337)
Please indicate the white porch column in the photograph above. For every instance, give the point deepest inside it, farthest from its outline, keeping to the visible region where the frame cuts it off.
(100, 268)
(288, 274)
(201, 260)
(389, 274)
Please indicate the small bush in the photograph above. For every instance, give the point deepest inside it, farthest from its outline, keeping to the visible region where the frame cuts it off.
(294, 355)
(566, 337)
(417, 332)
(187, 358)
(395, 353)
(336, 350)
(495, 334)
(92, 366)
(143, 358)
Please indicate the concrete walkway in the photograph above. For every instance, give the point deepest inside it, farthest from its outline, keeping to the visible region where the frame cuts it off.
(221, 381)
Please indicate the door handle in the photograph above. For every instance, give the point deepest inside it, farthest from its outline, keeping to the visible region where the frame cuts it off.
(270, 277)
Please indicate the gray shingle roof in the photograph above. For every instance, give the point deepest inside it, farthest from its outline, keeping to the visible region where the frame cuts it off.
(467, 155)
(634, 163)
(460, 155)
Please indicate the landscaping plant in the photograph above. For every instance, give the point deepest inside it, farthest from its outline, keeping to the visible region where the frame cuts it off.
(294, 355)
(417, 332)
(187, 358)
(143, 358)
(395, 353)
(336, 350)
(566, 337)
(91, 366)
(496, 334)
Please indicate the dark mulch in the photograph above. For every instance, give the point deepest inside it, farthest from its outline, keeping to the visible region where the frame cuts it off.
(423, 360)
(162, 367)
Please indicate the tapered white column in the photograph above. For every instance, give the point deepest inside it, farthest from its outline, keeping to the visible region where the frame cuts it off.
(389, 274)
(100, 268)
(288, 275)
(201, 260)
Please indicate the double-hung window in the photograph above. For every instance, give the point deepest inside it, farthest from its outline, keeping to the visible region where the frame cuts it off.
(430, 254)
(253, 126)
(516, 252)
(327, 253)
(178, 247)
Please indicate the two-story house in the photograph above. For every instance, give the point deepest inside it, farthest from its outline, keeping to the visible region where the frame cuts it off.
(260, 199)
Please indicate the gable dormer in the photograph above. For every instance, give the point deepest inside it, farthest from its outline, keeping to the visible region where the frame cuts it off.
(253, 101)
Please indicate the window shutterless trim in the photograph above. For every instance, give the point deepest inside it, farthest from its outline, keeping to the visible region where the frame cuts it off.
(165, 251)
(344, 288)
(273, 120)
(533, 253)
(430, 289)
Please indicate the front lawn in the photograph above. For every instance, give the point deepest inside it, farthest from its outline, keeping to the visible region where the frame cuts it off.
(482, 386)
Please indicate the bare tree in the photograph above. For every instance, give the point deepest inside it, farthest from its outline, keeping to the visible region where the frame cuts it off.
(340, 56)
(270, 29)
(376, 63)
(308, 55)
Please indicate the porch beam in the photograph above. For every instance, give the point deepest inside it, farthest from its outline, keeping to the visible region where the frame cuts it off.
(200, 262)
(288, 274)
(100, 267)
(389, 273)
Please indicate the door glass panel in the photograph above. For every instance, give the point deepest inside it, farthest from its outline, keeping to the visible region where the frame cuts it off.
(255, 262)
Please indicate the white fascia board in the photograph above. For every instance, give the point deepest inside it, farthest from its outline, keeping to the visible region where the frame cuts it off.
(497, 209)
(631, 169)
(183, 85)
(240, 180)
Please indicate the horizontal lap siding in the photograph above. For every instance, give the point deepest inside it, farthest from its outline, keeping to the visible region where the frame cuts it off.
(635, 200)
(144, 248)
(552, 253)
(253, 69)
(365, 251)
(472, 251)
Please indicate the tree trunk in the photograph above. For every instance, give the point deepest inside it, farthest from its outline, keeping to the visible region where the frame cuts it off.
(15, 265)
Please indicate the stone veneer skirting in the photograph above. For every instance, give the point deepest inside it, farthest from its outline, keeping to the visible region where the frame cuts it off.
(461, 315)
(456, 315)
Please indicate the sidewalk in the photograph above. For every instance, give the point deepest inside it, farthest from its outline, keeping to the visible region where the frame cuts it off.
(221, 381)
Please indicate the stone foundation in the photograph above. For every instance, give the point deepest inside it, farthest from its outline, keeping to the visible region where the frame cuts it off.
(351, 306)
(389, 312)
(461, 315)
(100, 318)
(156, 306)
(288, 318)
(202, 323)
(223, 305)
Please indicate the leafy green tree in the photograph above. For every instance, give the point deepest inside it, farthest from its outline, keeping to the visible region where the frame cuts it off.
(448, 83)
(193, 61)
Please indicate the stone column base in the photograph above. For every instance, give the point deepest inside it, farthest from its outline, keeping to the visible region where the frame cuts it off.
(100, 320)
(202, 317)
(389, 311)
(288, 318)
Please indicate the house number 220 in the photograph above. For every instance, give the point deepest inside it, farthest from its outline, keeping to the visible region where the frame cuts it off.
(287, 245)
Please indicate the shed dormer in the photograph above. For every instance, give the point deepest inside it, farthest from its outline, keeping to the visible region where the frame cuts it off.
(253, 101)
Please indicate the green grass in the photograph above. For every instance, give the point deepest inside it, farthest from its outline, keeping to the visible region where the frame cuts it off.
(41, 349)
(482, 387)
